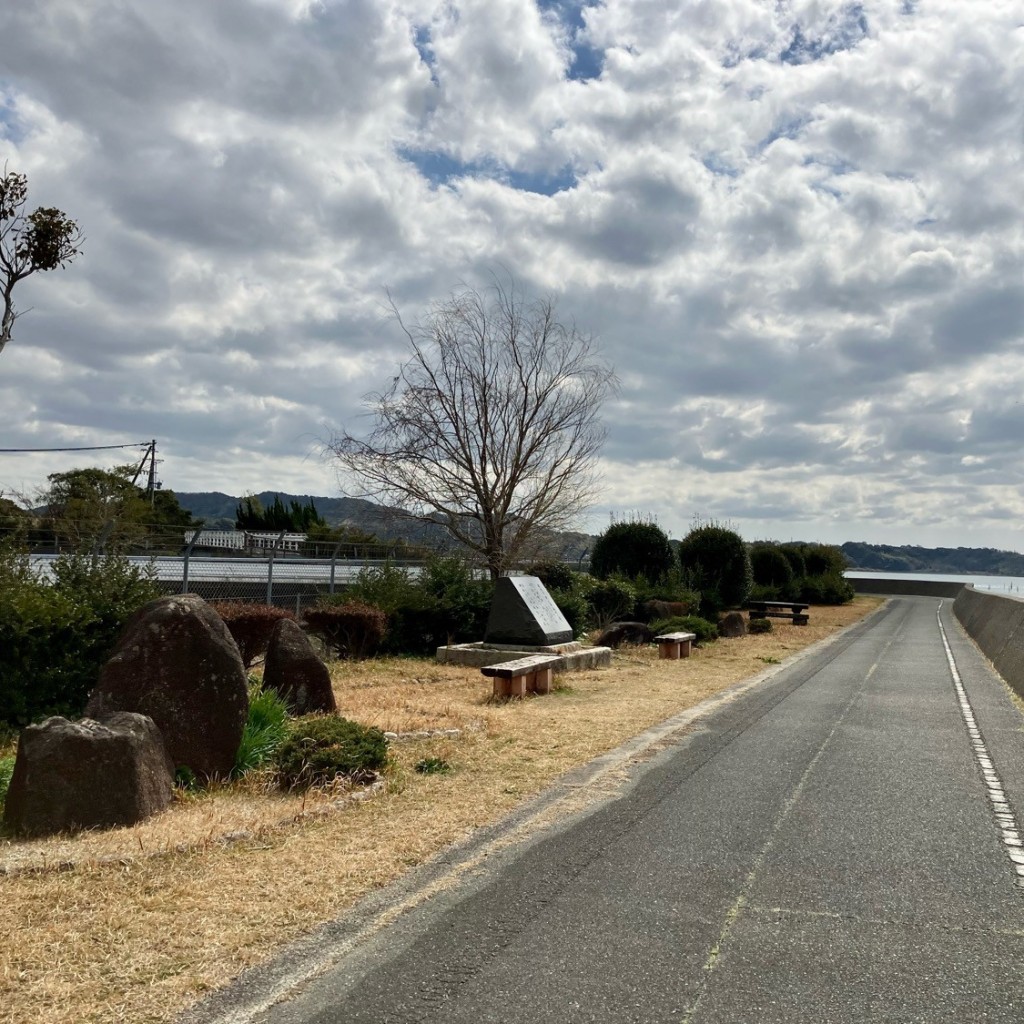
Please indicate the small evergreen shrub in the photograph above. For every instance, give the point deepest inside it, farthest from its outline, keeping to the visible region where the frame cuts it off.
(574, 606)
(250, 625)
(760, 592)
(611, 599)
(319, 749)
(759, 626)
(433, 766)
(770, 567)
(6, 771)
(719, 562)
(55, 638)
(831, 588)
(351, 630)
(705, 631)
(632, 549)
(265, 730)
(554, 575)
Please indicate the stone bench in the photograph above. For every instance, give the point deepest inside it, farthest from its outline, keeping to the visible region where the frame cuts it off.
(522, 676)
(674, 645)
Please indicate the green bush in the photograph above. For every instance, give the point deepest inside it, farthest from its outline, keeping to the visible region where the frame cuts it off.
(770, 567)
(6, 772)
(832, 588)
(265, 730)
(795, 556)
(574, 606)
(719, 563)
(554, 575)
(705, 631)
(55, 638)
(632, 549)
(760, 592)
(824, 560)
(319, 749)
(351, 629)
(611, 599)
(759, 626)
(250, 625)
(446, 603)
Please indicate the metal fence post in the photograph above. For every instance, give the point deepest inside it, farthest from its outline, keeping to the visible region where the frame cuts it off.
(185, 557)
(270, 568)
(334, 565)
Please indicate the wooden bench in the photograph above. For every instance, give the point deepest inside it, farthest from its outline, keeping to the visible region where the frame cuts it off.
(674, 645)
(794, 610)
(522, 676)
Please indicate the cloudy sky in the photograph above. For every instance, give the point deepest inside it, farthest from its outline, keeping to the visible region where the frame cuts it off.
(796, 228)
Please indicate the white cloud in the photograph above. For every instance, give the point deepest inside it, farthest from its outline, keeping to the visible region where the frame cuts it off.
(796, 229)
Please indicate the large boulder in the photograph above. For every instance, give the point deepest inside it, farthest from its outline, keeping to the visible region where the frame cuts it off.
(295, 672)
(732, 624)
(177, 663)
(76, 775)
(619, 633)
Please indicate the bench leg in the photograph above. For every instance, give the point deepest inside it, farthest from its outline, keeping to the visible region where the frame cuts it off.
(684, 649)
(540, 681)
(500, 688)
(669, 649)
(517, 685)
(800, 620)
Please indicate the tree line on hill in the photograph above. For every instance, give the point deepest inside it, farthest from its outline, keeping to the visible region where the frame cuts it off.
(949, 561)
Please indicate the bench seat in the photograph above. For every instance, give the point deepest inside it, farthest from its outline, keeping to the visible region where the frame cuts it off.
(674, 645)
(524, 675)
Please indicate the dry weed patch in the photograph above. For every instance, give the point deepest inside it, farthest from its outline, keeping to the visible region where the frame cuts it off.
(121, 935)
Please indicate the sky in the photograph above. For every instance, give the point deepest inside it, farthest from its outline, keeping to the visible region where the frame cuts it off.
(793, 227)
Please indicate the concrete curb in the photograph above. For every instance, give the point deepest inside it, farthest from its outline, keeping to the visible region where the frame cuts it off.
(995, 622)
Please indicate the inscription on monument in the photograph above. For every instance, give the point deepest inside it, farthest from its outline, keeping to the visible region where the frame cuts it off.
(523, 612)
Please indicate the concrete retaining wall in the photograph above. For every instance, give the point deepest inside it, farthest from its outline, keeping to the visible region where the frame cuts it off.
(911, 588)
(996, 624)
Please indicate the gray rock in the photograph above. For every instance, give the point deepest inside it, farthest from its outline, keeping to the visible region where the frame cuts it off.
(619, 633)
(177, 663)
(732, 624)
(295, 672)
(70, 776)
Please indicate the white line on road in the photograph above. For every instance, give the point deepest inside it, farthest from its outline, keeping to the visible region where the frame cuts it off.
(1006, 821)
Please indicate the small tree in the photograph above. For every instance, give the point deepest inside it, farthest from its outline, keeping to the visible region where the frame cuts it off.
(719, 565)
(490, 427)
(633, 549)
(43, 240)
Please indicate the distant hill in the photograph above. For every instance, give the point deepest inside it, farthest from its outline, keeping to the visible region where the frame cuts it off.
(955, 561)
(217, 510)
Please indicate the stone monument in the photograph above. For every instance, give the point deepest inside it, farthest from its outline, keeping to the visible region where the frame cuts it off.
(524, 620)
(523, 612)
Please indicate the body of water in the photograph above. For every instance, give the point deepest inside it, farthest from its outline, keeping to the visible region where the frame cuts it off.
(1005, 584)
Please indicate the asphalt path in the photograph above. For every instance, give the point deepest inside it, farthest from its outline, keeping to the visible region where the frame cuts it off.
(833, 844)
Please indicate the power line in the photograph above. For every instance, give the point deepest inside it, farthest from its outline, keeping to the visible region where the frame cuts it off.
(91, 448)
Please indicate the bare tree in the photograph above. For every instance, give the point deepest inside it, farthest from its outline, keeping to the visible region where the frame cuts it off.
(44, 239)
(491, 427)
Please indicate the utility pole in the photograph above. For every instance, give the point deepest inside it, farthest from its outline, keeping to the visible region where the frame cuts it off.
(151, 487)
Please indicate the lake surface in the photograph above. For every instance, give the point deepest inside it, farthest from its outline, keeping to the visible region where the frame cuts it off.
(1004, 584)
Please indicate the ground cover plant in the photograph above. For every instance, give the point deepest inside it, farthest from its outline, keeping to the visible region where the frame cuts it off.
(140, 922)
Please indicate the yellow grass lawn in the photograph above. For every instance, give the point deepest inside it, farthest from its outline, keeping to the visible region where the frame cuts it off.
(134, 924)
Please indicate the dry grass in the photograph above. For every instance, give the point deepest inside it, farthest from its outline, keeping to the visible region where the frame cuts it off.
(121, 935)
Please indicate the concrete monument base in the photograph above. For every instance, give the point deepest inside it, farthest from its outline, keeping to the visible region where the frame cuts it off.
(572, 656)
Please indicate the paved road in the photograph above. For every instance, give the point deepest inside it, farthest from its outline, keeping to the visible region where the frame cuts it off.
(824, 848)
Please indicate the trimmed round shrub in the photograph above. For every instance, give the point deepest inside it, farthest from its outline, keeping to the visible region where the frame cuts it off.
(632, 549)
(318, 750)
(554, 575)
(351, 630)
(719, 563)
(759, 626)
(770, 567)
(250, 625)
(795, 556)
(824, 560)
(706, 632)
(831, 588)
